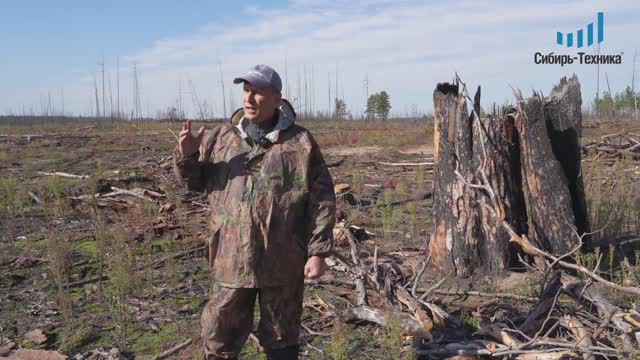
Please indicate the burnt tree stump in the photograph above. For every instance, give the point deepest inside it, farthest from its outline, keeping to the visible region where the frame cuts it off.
(529, 156)
(564, 123)
(549, 130)
(454, 241)
(467, 239)
(497, 160)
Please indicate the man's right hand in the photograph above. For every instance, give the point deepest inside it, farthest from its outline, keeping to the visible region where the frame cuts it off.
(187, 143)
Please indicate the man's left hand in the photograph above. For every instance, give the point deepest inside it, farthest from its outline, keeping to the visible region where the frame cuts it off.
(315, 267)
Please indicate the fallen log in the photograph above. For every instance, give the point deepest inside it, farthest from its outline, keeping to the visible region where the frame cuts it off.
(409, 325)
(144, 194)
(416, 197)
(173, 350)
(361, 290)
(501, 295)
(64, 175)
(34, 197)
(581, 334)
(428, 164)
(542, 309)
(606, 309)
(137, 192)
(497, 332)
(528, 247)
(415, 306)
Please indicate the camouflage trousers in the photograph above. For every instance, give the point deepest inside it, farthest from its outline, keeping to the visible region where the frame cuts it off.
(227, 319)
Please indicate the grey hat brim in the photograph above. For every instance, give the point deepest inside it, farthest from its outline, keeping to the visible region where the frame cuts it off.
(253, 80)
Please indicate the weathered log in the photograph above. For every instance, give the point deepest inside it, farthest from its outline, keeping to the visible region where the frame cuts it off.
(539, 313)
(558, 355)
(64, 175)
(173, 350)
(415, 307)
(581, 334)
(361, 290)
(605, 308)
(497, 332)
(529, 248)
(409, 325)
(427, 164)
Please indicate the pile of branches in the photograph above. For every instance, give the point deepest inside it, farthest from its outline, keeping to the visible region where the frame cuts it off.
(615, 146)
(570, 318)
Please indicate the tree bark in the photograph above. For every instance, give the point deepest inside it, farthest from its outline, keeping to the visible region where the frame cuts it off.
(549, 131)
(497, 157)
(454, 243)
(467, 239)
(522, 167)
(564, 125)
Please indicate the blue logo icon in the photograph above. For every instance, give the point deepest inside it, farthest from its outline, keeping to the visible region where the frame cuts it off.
(560, 37)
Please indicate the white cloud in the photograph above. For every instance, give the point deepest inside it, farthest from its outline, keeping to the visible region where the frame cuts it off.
(404, 47)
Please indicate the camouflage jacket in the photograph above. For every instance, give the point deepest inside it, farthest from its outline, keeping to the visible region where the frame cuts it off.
(271, 207)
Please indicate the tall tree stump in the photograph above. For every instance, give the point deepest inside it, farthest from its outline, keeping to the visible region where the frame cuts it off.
(549, 130)
(497, 160)
(563, 112)
(454, 239)
(522, 167)
(467, 240)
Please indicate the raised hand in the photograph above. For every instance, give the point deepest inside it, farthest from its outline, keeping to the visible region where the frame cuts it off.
(187, 143)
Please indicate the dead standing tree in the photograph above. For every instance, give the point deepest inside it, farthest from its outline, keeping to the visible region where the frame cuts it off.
(549, 130)
(528, 157)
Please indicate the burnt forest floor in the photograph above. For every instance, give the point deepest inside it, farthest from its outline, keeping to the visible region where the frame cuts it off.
(125, 271)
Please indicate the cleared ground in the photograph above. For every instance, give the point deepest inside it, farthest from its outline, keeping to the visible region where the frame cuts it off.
(54, 235)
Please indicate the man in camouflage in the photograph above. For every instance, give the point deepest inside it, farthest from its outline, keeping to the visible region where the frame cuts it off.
(272, 214)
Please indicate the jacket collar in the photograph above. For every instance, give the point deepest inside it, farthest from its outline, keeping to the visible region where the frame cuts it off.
(283, 123)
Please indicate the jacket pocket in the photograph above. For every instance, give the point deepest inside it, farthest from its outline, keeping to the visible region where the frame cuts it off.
(212, 244)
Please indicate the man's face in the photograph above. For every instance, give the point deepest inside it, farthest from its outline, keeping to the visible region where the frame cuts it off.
(259, 103)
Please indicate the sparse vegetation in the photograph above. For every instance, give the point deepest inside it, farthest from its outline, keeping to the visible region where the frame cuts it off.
(115, 311)
(60, 268)
(123, 283)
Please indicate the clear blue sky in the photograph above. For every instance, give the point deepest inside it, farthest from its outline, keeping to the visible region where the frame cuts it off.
(50, 39)
(401, 46)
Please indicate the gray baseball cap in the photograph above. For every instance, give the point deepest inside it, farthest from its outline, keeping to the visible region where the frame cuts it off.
(261, 76)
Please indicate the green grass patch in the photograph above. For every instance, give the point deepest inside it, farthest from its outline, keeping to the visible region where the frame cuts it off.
(346, 343)
(252, 351)
(154, 343)
(82, 336)
(88, 246)
(528, 287)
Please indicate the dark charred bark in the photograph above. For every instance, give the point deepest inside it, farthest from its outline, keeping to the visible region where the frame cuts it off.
(497, 160)
(564, 125)
(529, 157)
(454, 243)
(468, 240)
(549, 131)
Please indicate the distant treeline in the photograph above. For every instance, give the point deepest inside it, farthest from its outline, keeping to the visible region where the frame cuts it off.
(48, 120)
(31, 120)
(622, 103)
(45, 120)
